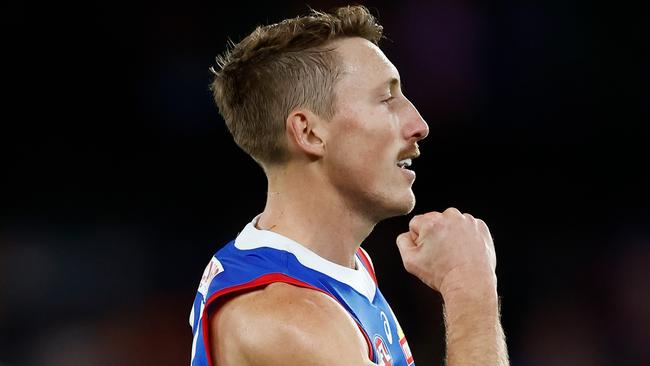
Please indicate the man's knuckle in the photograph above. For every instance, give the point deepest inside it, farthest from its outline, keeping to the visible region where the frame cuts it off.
(451, 210)
(429, 224)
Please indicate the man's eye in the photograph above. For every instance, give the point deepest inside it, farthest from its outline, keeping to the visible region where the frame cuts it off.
(388, 100)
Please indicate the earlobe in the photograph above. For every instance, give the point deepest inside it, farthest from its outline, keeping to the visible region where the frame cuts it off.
(305, 133)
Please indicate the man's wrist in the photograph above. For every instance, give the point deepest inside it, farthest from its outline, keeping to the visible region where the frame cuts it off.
(471, 310)
(469, 285)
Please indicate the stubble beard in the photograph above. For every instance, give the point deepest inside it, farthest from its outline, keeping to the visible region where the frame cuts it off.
(384, 207)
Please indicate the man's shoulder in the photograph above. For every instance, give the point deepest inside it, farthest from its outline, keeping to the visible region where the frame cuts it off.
(284, 322)
(279, 306)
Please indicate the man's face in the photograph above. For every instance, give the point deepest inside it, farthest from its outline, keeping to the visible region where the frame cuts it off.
(374, 130)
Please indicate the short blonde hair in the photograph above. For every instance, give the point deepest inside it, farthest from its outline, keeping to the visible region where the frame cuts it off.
(280, 67)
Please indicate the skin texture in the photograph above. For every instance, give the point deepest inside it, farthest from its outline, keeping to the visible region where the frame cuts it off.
(341, 180)
(286, 325)
(375, 127)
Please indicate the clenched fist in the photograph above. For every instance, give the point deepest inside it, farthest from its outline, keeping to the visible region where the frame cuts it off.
(449, 251)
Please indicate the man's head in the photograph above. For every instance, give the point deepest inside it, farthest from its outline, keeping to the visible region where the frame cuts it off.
(334, 110)
(280, 67)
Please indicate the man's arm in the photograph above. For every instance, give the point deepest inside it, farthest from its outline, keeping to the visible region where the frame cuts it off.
(285, 325)
(453, 253)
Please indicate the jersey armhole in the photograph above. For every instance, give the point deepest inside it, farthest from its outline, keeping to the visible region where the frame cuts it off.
(260, 282)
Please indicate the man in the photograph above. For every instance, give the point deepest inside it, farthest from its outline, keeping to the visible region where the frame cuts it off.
(319, 106)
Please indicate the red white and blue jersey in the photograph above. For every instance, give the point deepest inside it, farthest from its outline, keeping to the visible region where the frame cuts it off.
(257, 258)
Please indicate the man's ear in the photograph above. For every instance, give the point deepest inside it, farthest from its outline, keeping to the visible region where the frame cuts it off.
(306, 132)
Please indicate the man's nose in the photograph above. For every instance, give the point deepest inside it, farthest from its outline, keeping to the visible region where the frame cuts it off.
(416, 127)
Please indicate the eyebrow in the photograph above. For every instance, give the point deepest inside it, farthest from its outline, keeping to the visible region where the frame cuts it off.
(392, 82)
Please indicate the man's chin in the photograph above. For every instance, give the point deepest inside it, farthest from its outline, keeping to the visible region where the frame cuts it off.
(409, 207)
(401, 208)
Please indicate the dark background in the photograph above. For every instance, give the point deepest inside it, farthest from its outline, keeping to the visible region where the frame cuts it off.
(119, 179)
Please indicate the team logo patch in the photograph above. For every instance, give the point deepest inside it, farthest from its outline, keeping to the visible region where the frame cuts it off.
(211, 270)
(383, 353)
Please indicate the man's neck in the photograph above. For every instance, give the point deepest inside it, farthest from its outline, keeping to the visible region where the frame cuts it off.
(313, 214)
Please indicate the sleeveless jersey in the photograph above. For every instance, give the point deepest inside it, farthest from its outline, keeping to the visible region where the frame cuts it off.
(257, 258)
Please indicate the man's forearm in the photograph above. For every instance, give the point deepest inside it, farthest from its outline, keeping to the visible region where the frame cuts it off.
(473, 329)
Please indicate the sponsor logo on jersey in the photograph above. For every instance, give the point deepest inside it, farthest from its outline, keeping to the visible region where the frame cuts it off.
(211, 270)
(389, 334)
(383, 353)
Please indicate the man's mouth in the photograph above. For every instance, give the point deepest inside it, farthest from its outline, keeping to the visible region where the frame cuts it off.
(405, 159)
(404, 163)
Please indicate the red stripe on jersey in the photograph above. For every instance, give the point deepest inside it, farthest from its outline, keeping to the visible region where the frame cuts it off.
(259, 282)
(406, 350)
(367, 264)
